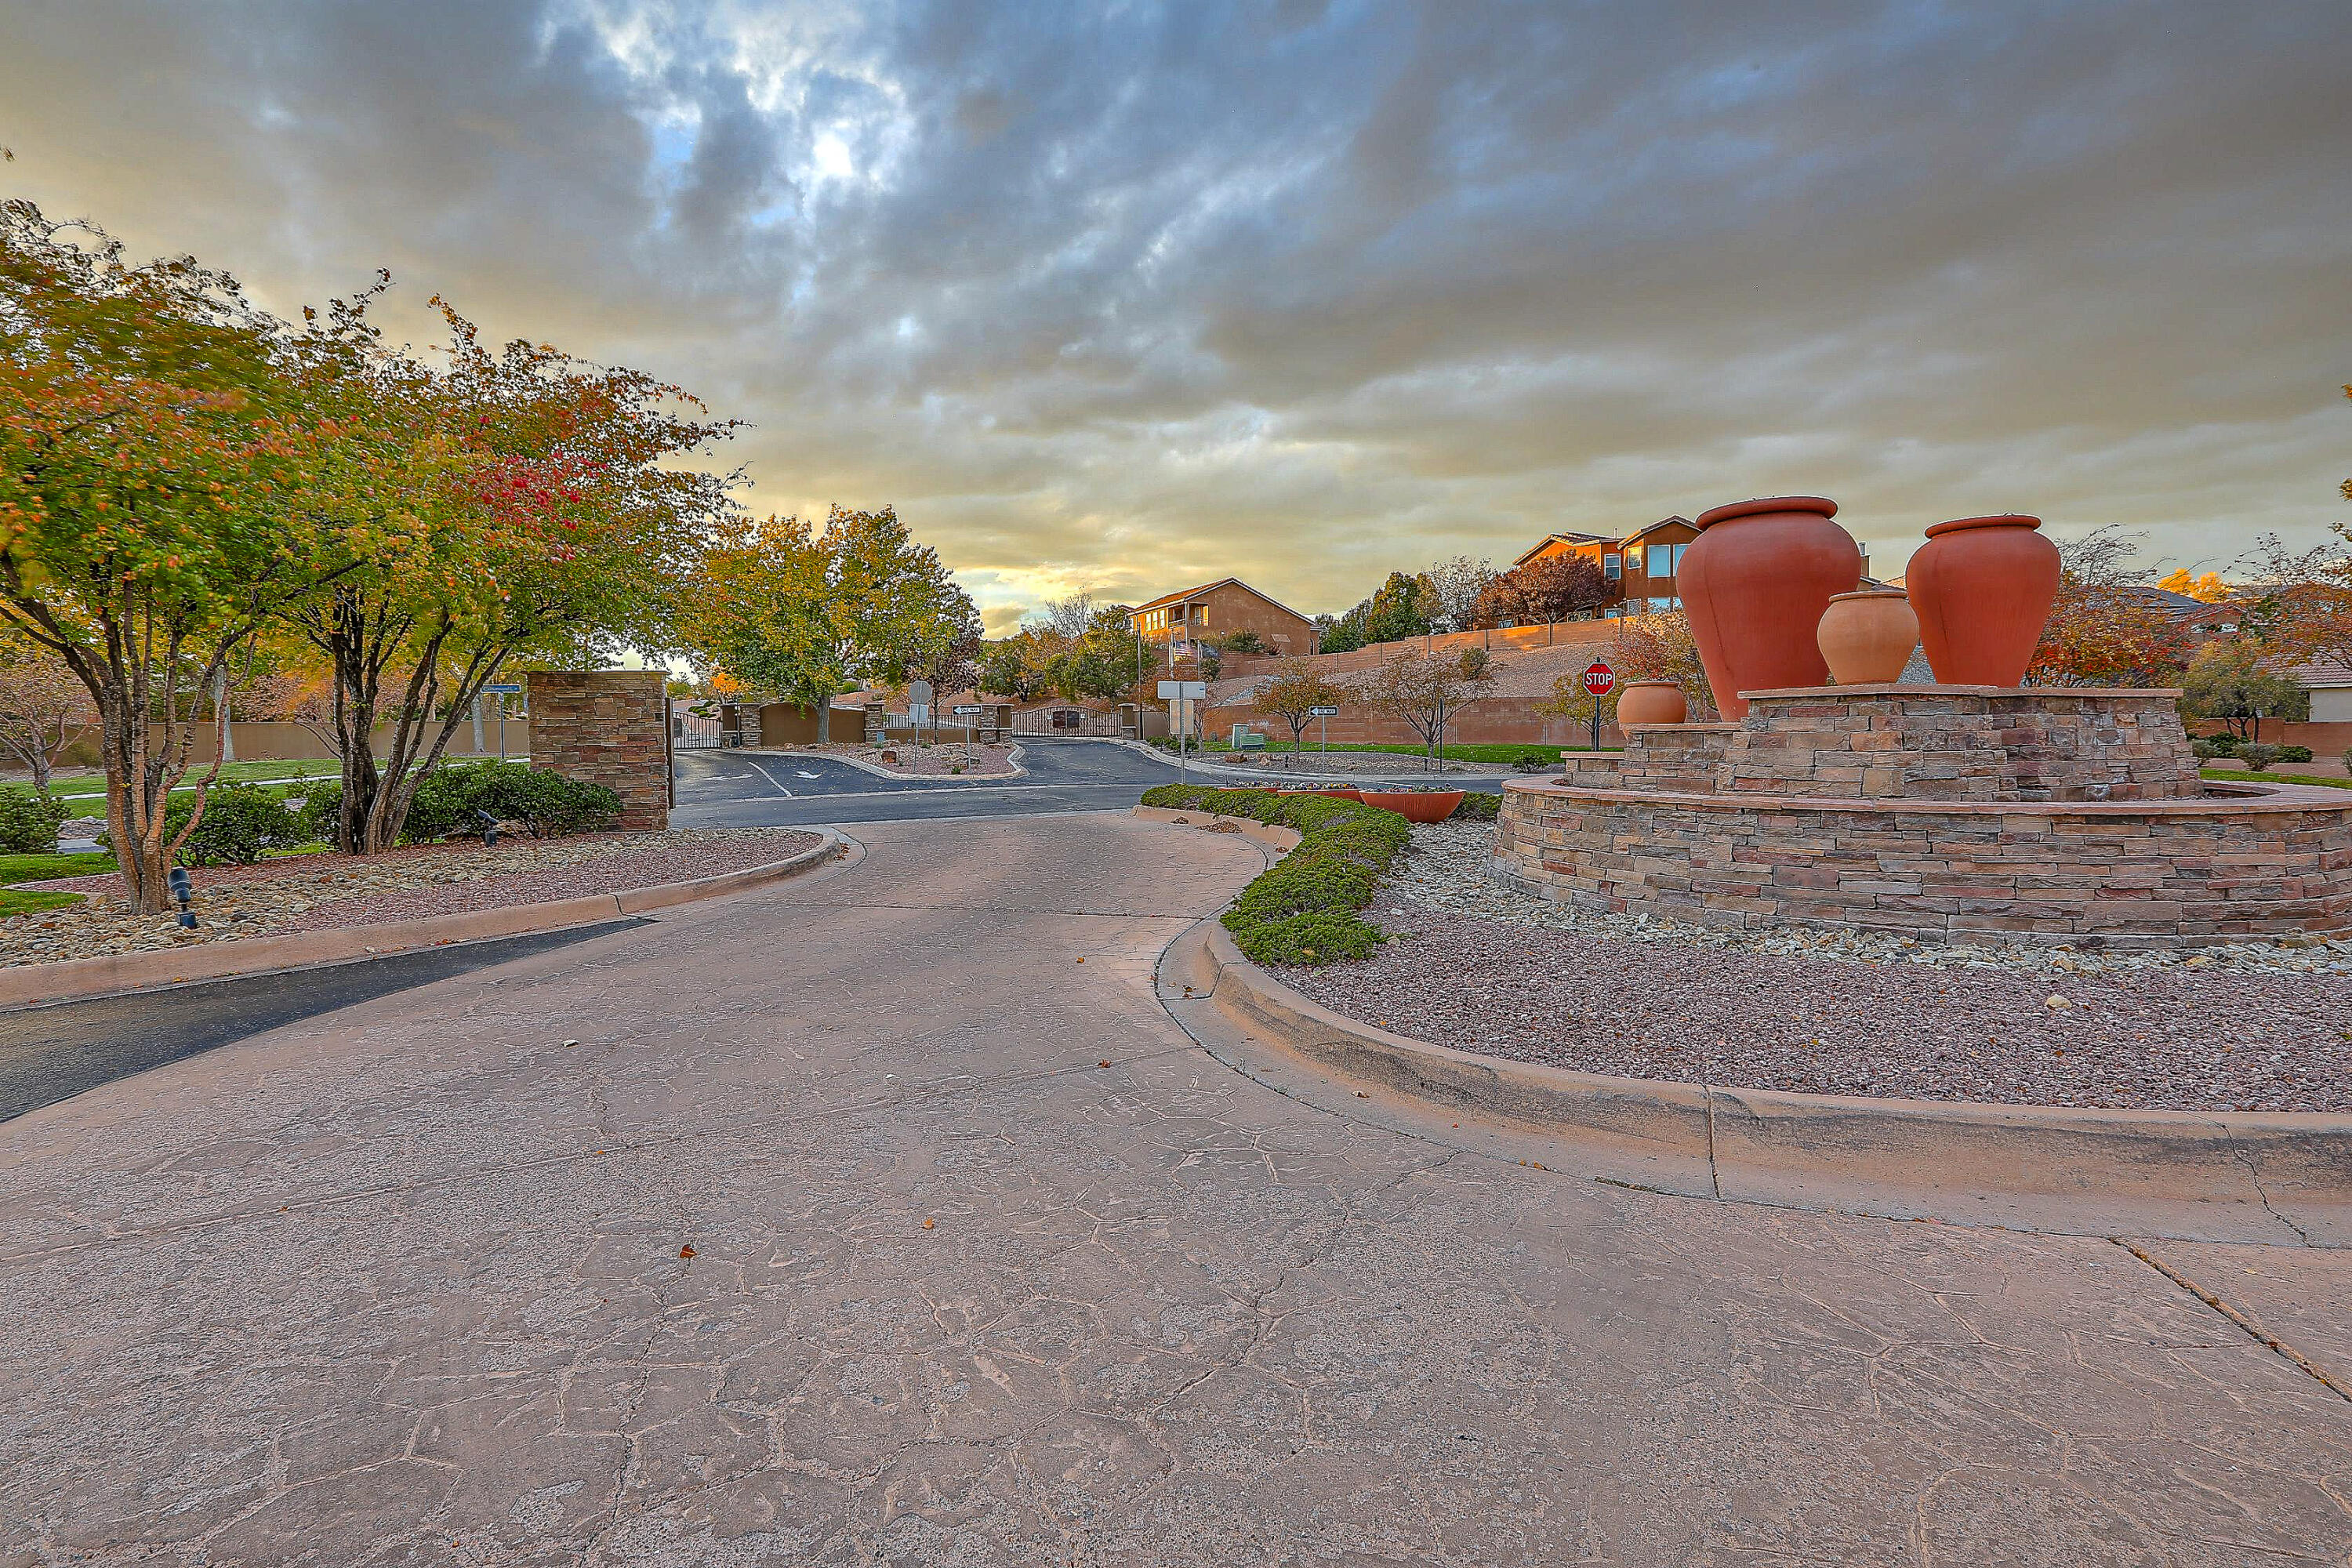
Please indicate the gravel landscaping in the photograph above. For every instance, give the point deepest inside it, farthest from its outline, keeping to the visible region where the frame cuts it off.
(2244, 1027)
(317, 892)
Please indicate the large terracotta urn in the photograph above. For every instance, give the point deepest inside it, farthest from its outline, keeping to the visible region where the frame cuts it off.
(1866, 636)
(1756, 582)
(1982, 587)
(1652, 702)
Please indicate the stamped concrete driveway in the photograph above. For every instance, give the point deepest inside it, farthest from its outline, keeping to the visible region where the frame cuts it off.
(811, 1227)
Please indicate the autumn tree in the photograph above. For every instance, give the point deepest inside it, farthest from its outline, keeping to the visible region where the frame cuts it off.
(40, 699)
(1553, 588)
(1008, 668)
(1293, 693)
(947, 651)
(785, 607)
(2226, 681)
(1427, 694)
(2106, 628)
(168, 490)
(1457, 583)
(535, 510)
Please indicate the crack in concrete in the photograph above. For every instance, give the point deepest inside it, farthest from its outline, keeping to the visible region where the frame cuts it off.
(2244, 1321)
(2255, 1176)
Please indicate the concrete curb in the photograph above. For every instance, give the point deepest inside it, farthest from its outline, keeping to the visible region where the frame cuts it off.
(882, 772)
(115, 974)
(2285, 1177)
(1833, 1152)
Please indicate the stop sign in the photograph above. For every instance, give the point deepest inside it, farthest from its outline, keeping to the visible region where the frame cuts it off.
(1599, 679)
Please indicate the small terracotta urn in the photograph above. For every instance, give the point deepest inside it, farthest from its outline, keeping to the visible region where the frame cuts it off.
(1756, 581)
(1652, 702)
(1868, 636)
(1983, 587)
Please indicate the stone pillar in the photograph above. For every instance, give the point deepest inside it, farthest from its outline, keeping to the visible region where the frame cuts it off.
(609, 727)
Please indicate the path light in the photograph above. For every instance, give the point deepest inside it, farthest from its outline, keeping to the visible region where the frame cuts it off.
(490, 828)
(182, 891)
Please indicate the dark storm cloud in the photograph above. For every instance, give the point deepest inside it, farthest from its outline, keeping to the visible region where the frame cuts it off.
(1112, 297)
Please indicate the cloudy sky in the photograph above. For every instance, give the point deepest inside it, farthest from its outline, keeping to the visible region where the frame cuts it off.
(1116, 297)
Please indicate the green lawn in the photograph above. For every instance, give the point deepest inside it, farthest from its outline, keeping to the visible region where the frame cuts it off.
(90, 785)
(14, 903)
(2277, 778)
(41, 868)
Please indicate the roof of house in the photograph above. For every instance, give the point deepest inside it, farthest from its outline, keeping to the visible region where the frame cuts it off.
(1550, 540)
(2320, 675)
(1206, 588)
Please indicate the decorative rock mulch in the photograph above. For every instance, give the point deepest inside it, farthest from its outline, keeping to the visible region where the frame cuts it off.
(2243, 1027)
(316, 892)
(945, 759)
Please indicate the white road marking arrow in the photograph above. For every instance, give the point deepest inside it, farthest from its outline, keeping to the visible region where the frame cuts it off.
(806, 774)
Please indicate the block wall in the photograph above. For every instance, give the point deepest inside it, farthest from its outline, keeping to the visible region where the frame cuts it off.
(609, 727)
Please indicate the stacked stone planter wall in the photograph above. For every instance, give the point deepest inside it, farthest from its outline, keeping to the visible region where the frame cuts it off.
(609, 727)
(1953, 813)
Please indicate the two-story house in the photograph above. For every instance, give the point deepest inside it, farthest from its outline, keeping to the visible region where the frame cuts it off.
(1638, 567)
(1216, 611)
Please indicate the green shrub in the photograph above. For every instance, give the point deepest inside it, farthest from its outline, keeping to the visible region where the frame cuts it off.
(2295, 753)
(320, 811)
(30, 822)
(545, 802)
(2256, 756)
(241, 821)
(1302, 908)
(2204, 750)
(1479, 807)
(2221, 745)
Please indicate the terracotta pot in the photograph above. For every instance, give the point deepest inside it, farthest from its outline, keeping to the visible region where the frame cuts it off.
(1868, 636)
(1756, 581)
(1435, 805)
(1983, 587)
(1652, 702)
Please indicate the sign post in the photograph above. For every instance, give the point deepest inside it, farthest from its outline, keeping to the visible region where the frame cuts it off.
(1183, 694)
(503, 690)
(1325, 715)
(1600, 681)
(968, 711)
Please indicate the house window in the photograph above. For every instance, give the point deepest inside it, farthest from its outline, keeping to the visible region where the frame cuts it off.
(1664, 558)
(1613, 567)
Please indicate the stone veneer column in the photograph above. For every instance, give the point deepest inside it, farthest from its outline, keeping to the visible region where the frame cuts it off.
(609, 727)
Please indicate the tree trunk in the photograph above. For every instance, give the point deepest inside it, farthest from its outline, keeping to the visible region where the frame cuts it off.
(824, 722)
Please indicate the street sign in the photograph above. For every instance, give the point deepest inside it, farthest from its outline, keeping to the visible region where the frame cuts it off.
(966, 710)
(1599, 679)
(1322, 712)
(1184, 690)
(505, 688)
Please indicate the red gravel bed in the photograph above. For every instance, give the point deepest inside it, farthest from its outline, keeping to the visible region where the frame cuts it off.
(2141, 1039)
(324, 865)
(628, 869)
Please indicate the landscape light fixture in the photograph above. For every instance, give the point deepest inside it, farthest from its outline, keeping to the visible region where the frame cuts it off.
(490, 828)
(183, 891)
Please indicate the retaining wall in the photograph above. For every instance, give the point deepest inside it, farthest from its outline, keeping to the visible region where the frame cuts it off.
(2274, 862)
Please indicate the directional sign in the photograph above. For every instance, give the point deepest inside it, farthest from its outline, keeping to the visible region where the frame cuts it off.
(505, 688)
(1322, 712)
(966, 710)
(1184, 690)
(1599, 679)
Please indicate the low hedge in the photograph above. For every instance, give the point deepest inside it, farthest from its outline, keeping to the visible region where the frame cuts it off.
(30, 822)
(1303, 909)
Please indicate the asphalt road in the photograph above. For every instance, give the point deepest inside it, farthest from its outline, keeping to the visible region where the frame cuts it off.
(737, 789)
(48, 1053)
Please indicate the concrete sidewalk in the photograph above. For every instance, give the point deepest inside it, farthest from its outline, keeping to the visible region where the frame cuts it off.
(810, 1226)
